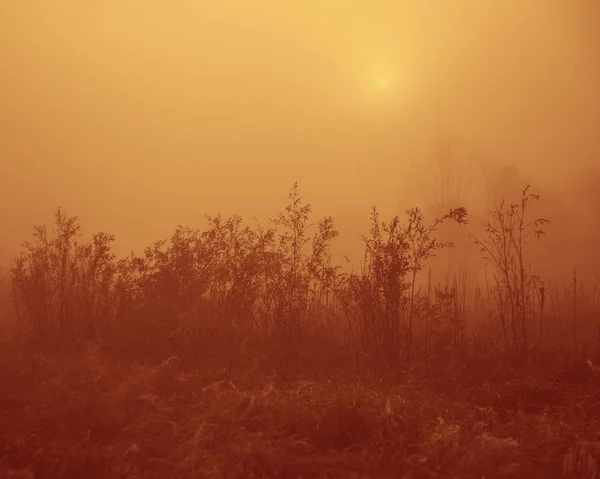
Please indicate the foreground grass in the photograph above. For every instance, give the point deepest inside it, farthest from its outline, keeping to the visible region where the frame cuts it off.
(85, 416)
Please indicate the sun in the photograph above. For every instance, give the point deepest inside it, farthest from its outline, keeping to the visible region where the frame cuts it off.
(382, 83)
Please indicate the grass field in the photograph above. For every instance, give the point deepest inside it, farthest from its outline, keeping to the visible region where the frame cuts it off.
(87, 416)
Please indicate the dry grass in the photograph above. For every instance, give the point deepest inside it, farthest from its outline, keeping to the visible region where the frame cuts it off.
(89, 416)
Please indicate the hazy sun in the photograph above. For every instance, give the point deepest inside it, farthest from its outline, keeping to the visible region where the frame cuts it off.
(383, 83)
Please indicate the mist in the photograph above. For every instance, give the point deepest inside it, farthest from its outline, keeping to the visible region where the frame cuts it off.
(155, 323)
(139, 116)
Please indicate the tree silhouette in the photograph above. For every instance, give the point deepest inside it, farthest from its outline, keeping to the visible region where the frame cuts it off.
(449, 181)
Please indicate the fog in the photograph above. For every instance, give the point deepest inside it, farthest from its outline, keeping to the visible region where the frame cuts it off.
(138, 116)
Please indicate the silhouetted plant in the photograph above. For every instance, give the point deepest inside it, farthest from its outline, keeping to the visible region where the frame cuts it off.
(422, 247)
(61, 287)
(380, 294)
(231, 290)
(506, 233)
(6, 319)
(385, 291)
(302, 276)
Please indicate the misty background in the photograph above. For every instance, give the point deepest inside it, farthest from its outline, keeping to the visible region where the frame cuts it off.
(139, 116)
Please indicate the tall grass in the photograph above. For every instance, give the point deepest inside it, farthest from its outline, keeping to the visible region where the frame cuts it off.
(269, 296)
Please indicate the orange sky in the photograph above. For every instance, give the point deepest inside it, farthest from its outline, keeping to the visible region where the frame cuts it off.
(141, 115)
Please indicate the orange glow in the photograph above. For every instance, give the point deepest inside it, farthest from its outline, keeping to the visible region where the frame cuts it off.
(140, 115)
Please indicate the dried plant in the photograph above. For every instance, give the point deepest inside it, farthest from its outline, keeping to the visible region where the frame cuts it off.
(507, 231)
